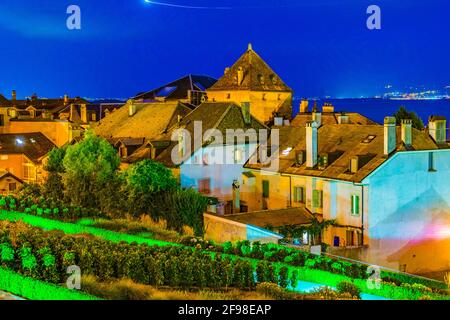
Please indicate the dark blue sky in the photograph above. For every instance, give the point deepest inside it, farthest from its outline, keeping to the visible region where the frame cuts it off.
(318, 47)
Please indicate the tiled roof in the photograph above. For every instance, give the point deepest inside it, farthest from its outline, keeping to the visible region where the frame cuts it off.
(150, 121)
(342, 141)
(46, 104)
(33, 145)
(301, 119)
(6, 174)
(258, 76)
(4, 102)
(274, 218)
(178, 89)
(212, 115)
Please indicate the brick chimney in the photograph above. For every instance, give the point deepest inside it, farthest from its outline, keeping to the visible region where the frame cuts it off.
(390, 139)
(316, 115)
(66, 99)
(327, 107)
(311, 144)
(131, 108)
(13, 95)
(304, 106)
(342, 118)
(437, 129)
(407, 132)
(84, 115)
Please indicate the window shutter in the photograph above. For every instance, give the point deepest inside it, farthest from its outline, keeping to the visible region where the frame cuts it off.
(355, 204)
(317, 198)
(265, 188)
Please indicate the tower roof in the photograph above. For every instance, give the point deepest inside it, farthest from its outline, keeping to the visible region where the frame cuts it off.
(256, 75)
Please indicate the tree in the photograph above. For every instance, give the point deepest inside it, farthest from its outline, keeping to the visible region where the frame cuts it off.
(90, 166)
(145, 185)
(316, 228)
(54, 186)
(402, 113)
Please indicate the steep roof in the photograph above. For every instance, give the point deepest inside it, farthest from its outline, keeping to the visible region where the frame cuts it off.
(33, 145)
(46, 104)
(178, 89)
(6, 174)
(150, 121)
(4, 102)
(212, 115)
(257, 75)
(341, 142)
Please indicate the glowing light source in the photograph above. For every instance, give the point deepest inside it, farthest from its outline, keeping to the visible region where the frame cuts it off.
(19, 141)
(286, 151)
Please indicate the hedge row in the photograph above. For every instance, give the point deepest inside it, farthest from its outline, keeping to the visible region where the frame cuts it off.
(50, 208)
(33, 289)
(46, 255)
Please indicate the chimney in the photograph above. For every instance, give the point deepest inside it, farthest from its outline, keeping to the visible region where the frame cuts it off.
(311, 144)
(437, 128)
(407, 131)
(66, 99)
(246, 114)
(13, 95)
(354, 164)
(131, 108)
(227, 69)
(240, 75)
(83, 111)
(34, 97)
(250, 47)
(343, 118)
(304, 106)
(316, 115)
(390, 139)
(327, 107)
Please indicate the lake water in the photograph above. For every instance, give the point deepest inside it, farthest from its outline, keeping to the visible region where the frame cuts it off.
(377, 109)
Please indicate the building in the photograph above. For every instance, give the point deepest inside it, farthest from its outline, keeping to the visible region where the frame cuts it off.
(223, 136)
(136, 129)
(327, 115)
(24, 155)
(190, 90)
(250, 79)
(385, 185)
(9, 183)
(60, 120)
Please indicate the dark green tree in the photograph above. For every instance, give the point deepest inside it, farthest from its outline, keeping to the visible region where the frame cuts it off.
(402, 113)
(53, 186)
(90, 166)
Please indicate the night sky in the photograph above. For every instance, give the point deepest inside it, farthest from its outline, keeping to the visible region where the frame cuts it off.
(318, 47)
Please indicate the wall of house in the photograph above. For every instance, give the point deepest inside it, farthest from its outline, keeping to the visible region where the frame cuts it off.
(59, 132)
(221, 175)
(5, 185)
(410, 212)
(262, 103)
(15, 164)
(221, 230)
(336, 202)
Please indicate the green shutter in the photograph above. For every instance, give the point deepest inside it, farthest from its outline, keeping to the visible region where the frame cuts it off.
(317, 199)
(265, 188)
(355, 204)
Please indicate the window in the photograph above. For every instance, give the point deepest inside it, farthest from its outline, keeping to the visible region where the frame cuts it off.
(204, 186)
(265, 185)
(2, 120)
(431, 162)
(12, 187)
(355, 204)
(228, 96)
(299, 195)
(317, 198)
(29, 172)
(350, 238)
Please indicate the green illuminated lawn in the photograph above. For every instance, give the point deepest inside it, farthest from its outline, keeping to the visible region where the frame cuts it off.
(305, 274)
(71, 228)
(33, 289)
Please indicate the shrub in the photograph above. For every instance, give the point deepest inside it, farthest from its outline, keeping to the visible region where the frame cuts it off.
(348, 287)
(272, 290)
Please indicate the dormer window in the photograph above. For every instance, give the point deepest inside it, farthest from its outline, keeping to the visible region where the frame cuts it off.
(369, 139)
(273, 79)
(260, 79)
(228, 96)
